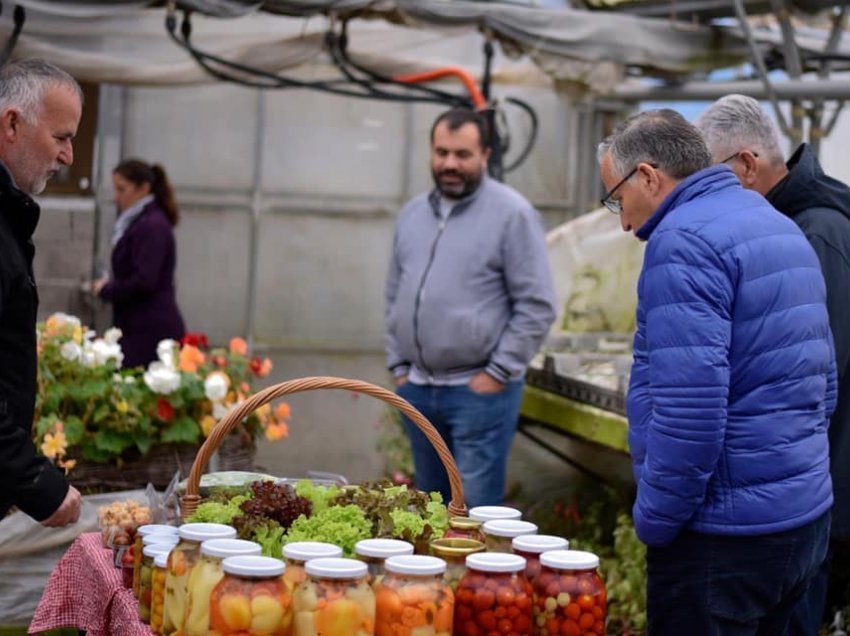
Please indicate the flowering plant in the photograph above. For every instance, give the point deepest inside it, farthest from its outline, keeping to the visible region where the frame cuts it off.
(89, 406)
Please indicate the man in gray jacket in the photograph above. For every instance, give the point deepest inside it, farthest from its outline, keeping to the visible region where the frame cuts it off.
(469, 299)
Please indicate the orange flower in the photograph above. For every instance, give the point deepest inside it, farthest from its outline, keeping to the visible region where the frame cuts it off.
(282, 412)
(238, 346)
(190, 359)
(207, 424)
(277, 431)
(265, 368)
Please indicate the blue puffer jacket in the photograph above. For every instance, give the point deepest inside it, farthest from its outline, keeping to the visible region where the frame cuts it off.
(734, 373)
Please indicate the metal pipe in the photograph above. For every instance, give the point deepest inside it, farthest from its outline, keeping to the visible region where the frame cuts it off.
(256, 212)
(709, 91)
(794, 68)
(758, 61)
(817, 131)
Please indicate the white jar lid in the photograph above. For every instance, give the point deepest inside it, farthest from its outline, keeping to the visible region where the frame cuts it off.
(161, 561)
(495, 562)
(488, 513)
(569, 560)
(152, 539)
(415, 565)
(383, 548)
(306, 550)
(509, 528)
(204, 531)
(539, 543)
(259, 567)
(223, 548)
(156, 528)
(156, 549)
(336, 568)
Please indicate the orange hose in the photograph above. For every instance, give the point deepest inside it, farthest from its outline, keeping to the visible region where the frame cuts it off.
(461, 73)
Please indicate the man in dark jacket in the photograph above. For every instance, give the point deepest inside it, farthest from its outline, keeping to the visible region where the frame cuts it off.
(40, 108)
(740, 133)
(731, 390)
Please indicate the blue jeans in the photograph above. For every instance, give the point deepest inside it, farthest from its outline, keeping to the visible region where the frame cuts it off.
(478, 429)
(809, 612)
(709, 585)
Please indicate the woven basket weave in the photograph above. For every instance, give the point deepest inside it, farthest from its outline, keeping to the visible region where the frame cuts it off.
(191, 498)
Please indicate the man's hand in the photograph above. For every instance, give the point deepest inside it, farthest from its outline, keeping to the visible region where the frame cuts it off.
(97, 285)
(402, 379)
(485, 384)
(67, 513)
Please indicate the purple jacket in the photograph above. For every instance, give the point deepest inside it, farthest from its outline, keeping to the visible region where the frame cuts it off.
(141, 289)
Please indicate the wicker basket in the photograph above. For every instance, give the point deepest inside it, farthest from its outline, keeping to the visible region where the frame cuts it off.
(191, 498)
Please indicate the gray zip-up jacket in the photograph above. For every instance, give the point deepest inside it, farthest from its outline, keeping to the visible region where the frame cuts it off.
(470, 292)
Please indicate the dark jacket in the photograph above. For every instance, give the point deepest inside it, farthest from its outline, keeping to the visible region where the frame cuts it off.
(142, 290)
(27, 479)
(734, 376)
(820, 206)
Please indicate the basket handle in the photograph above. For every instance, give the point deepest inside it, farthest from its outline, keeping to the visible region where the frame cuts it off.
(191, 498)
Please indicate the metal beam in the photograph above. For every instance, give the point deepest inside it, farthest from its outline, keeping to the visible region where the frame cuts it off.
(709, 91)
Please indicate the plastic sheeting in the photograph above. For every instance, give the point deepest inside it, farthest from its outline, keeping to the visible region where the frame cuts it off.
(29, 552)
(595, 266)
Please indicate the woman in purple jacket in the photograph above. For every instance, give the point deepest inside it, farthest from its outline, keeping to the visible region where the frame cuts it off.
(144, 257)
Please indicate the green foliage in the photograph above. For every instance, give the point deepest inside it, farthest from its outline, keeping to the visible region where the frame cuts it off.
(341, 525)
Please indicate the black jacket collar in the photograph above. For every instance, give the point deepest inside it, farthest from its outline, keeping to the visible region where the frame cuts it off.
(17, 208)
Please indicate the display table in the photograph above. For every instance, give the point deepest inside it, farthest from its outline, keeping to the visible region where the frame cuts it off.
(85, 591)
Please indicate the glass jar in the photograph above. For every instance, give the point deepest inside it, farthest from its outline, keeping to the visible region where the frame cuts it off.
(205, 576)
(490, 513)
(138, 546)
(373, 552)
(454, 553)
(500, 532)
(464, 528)
(149, 554)
(158, 596)
(335, 599)
(531, 546)
(413, 598)
(297, 553)
(182, 559)
(493, 596)
(569, 595)
(251, 599)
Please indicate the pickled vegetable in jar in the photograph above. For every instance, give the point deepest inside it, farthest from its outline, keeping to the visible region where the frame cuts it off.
(373, 552)
(149, 554)
(180, 563)
(297, 553)
(493, 596)
(454, 553)
(335, 600)
(569, 595)
(205, 576)
(500, 532)
(413, 598)
(143, 531)
(490, 513)
(531, 546)
(251, 599)
(158, 594)
(464, 528)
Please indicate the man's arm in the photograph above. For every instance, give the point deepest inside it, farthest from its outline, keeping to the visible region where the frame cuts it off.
(529, 285)
(639, 402)
(396, 363)
(688, 303)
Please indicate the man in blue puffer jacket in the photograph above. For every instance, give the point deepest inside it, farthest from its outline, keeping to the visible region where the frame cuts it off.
(731, 390)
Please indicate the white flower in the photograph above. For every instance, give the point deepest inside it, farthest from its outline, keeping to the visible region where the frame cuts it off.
(113, 335)
(104, 352)
(215, 387)
(63, 319)
(161, 378)
(88, 359)
(71, 351)
(130, 379)
(220, 409)
(166, 351)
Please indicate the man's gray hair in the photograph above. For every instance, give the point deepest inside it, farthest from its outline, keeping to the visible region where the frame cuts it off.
(737, 122)
(24, 82)
(662, 138)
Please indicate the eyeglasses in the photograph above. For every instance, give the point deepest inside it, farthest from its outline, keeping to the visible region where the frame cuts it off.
(615, 206)
(735, 156)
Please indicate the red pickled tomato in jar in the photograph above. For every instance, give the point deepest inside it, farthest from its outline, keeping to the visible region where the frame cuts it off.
(569, 595)
(531, 546)
(493, 597)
